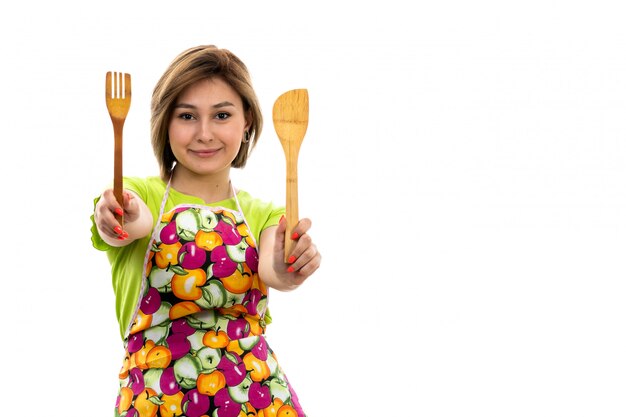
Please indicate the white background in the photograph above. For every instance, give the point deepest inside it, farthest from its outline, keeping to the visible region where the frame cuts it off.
(464, 168)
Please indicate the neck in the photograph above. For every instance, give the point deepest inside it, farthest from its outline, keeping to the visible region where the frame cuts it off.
(209, 188)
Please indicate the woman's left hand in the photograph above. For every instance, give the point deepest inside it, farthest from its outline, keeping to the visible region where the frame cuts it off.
(302, 262)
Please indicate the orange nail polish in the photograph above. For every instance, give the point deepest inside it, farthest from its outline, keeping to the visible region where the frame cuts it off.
(119, 211)
(117, 229)
(291, 259)
(290, 269)
(295, 236)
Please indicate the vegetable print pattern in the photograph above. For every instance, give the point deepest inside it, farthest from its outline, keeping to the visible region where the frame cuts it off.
(196, 346)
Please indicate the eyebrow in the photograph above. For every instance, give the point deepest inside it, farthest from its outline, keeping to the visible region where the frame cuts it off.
(215, 106)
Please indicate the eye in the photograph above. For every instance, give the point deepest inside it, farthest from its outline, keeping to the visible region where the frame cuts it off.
(185, 116)
(222, 115)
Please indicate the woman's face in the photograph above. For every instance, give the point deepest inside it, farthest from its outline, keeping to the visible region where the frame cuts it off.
(206, 128)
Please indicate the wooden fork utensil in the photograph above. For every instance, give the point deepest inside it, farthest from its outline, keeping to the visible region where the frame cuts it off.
(118, 93)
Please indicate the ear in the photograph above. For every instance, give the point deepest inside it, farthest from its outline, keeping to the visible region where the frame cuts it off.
(248, 120)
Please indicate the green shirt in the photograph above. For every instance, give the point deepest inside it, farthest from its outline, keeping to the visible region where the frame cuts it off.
(127, 261)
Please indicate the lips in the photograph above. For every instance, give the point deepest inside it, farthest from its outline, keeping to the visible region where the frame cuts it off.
(204, 152)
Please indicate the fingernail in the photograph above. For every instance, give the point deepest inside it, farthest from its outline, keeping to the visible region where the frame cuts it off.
(290, 269)
(117, 229)
(295, 236)
(124, 234)
(291, 259)
(121, 237)
(119, 211)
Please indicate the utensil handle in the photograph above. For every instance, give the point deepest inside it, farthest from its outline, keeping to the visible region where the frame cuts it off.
(291, 206)
(117, 170)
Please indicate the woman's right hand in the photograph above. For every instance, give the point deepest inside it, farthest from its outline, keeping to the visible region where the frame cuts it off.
(137, 219)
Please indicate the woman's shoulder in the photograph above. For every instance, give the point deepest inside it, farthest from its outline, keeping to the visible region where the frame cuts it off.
(144, 182)
(145, 186)
(264, 212)
(248, 200)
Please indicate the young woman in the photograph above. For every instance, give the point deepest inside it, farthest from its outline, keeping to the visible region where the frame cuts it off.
(194, 260)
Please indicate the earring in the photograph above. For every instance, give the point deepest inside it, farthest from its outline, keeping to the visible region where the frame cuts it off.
(246, 137)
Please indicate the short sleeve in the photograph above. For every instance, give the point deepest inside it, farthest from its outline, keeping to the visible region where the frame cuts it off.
(96, 240)
(274, 216)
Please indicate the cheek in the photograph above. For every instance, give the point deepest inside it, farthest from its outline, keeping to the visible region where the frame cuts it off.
(232, 136)
(179, 135)
(228, 131)
(175, 141)
(176, 130)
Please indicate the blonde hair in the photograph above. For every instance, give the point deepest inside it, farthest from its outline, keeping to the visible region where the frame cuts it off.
(192, 65)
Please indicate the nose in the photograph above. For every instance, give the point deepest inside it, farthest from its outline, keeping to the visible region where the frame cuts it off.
(205, 131)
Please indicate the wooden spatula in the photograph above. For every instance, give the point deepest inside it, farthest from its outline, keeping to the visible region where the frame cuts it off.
(291, 119)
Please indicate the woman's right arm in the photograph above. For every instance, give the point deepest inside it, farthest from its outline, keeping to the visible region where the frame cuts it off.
(137, 218)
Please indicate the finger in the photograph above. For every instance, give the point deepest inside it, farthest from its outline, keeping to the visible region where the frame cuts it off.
(308, 262)
(109, 201)
(300, 247)
(108, 225)
(105, 216)
(128, 199)
(279, 240)
(131, 208)
(308, 269)
(303, 252)
(301, 228)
